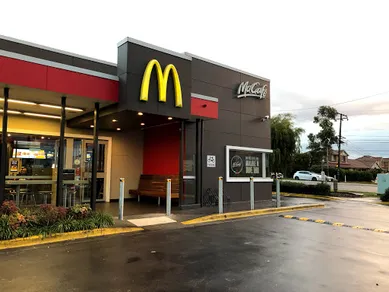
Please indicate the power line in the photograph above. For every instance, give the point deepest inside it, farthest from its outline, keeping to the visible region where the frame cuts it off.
(339, 103)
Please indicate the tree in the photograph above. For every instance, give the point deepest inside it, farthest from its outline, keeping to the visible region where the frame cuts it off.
(301, 161)
(322, 142)
(285, 142)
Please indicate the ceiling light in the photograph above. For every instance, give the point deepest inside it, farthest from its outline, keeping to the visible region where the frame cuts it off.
(42, 115)
(114, 121)
(170, 118)
(142, 124)
(42, 137)
(9, 135)
(72, 109)
(19, 101)
(140, 114)
(11, 112)
(118, 129)
(92, 126)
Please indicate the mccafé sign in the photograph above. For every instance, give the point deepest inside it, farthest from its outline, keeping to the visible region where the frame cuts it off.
(255, 89)
(162, 78)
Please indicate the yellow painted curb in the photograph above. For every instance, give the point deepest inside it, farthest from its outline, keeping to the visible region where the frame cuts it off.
(249, 213)
(58, 237)
(307, 196)
(383, 203)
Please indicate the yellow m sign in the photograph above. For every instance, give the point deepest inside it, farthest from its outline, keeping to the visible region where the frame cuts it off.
(163, 78)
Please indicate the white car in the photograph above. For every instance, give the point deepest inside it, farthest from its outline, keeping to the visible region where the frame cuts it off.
(306, 175)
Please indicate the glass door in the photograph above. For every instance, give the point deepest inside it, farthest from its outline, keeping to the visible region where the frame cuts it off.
(85, 169)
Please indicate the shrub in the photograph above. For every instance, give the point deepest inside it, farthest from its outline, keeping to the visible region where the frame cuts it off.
(351, 175)
(319, 189)
(8, 208)
(48, 219)
(385, 196)
(80, 211)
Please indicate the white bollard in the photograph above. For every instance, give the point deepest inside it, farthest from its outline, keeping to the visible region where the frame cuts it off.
(168, 197)
(251, 193)
(121, 198)
(220, 195)
(278, 193)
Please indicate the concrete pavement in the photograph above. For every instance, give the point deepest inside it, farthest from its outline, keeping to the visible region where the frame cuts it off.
(256, 254)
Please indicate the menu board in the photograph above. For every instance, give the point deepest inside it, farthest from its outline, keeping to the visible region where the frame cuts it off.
(29, 153)
(244, 163)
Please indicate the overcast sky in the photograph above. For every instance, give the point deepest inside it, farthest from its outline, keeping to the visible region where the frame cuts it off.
(314, 53)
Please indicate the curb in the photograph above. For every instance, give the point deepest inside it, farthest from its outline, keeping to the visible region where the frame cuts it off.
(59, 237)
(307, 196)
(383, 203)
(249, 213)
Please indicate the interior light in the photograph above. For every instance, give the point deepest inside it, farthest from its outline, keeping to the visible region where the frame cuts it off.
(42, 137)
(72, 109)
(142, 124)
(11, 112)
(140, 114)
(19, 101)
(114, 121)
(170, 118)
(118, 129)
(42, 115)
(92, 126)
(9, 135)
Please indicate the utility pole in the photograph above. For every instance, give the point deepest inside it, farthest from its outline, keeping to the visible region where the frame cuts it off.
(341, 118)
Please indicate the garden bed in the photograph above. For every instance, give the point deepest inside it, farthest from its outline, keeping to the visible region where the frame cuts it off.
(45, 220)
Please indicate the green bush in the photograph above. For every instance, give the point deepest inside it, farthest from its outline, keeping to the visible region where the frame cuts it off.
(319, 189)
(47, 219)
(385, 196)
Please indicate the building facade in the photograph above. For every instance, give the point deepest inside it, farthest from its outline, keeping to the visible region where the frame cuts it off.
(82, 123)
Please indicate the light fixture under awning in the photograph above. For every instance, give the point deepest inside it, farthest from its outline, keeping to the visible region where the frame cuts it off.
(72, 109)
(19, 101)
(11, 112)
(42, 115)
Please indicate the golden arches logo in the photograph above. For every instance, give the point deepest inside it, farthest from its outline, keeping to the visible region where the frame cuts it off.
(162, 82)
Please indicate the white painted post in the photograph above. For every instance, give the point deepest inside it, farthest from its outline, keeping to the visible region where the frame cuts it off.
(278, 193)
(168, 197)
(251, 193)
(121, 198)
(220, 195)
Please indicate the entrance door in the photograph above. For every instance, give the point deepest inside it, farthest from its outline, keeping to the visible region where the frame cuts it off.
(86, 169)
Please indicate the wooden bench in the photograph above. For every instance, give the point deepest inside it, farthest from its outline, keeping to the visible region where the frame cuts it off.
(155, 186)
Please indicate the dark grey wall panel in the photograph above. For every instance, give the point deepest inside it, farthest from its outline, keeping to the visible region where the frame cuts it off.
(248, 141)
(254, 127)
(239, 124)
(214, 74)
(228, 122)
(53, 56)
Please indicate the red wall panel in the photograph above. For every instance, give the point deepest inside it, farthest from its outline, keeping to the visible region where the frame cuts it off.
(60, 80)
(27, 74)
(13, 71)
(204, 108)
(161, 150)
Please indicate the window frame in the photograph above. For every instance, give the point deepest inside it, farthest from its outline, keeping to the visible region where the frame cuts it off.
(266, 177)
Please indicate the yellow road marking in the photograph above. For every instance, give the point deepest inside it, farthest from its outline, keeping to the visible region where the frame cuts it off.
(357, 227)
(320, 221)
(379, 230)
(303, 219)
(288, 216)
(337, 224)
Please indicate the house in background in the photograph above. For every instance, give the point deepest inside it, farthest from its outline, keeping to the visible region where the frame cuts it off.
(362, 163)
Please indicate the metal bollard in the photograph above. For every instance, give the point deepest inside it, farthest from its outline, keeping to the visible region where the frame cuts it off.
(251, 193)
(121, 199)
(168, 197)
(278, 193)
(220, 195)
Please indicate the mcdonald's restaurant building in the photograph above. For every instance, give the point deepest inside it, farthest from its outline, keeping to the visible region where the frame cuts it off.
(72, 126)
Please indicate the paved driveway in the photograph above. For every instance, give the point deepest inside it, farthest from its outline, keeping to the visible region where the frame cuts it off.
(354, 187)
(257, 254)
